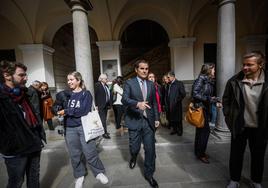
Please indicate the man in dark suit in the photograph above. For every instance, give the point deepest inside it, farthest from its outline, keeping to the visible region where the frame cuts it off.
(34, 95)
(176, 93)
(103, 102)
(141, 118)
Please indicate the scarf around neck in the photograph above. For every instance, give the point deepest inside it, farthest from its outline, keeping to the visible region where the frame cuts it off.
(22, 101)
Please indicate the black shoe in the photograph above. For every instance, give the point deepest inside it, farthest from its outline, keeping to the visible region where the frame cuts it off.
(152, 182)
(173, 132)
(132, 162)
(106, 136)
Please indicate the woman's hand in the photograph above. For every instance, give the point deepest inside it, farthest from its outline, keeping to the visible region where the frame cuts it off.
(218, 104)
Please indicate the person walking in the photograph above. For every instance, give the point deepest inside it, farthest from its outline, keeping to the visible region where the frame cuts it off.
(141, 118)
(245, 107)
(80, 103)
(103, 101)
(117, 92)
(34, 95)
(47, 103)
(158, 93)
(21, 132)
(176, 93)
(202, 95)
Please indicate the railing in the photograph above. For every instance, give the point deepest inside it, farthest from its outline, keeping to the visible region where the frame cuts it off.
(153, 56)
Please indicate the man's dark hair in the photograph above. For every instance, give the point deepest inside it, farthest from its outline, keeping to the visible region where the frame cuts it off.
(137, 63)
(9, 68)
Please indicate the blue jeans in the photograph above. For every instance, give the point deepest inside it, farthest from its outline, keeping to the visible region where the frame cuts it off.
(18, 166)
(80, 150)
(213, 116)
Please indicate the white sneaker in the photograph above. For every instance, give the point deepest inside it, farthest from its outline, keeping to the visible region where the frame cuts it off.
(79, 182)
(256, 185)
(102, 178)
(233, 184)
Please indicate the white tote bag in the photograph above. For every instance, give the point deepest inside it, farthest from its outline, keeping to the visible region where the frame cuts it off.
(92, 125)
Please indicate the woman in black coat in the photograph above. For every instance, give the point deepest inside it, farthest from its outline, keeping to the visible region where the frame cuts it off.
(202, 94)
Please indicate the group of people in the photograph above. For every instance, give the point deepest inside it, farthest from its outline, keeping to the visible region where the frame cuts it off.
(41, 99)
(141, 99)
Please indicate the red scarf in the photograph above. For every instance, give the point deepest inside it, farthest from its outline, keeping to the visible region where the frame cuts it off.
(24, 103)
(158, 98)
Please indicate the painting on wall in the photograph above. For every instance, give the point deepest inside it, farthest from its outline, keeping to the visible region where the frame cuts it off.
(110, 68)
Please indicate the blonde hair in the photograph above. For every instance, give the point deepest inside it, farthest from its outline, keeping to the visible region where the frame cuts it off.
(78, 77)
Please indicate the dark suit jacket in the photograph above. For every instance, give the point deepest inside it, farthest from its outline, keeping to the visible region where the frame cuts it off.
(176, 94)
(35, 100)
(131, 96)
(100, 96)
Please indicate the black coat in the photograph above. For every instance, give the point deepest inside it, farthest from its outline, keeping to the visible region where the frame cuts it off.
(16, 138)
(233, 106)
(61, 101)
(203, 91)
(35, 98)
(100, 96)
(175, 96)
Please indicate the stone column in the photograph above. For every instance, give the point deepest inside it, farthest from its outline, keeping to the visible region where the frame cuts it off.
(182, 59)
(225, 58)
(39, 62)
(110, 53)
(82, 48)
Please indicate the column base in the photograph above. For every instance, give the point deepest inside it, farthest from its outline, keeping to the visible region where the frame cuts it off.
(222, 135)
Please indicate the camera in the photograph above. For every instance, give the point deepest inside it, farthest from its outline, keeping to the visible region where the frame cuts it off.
(60, 127)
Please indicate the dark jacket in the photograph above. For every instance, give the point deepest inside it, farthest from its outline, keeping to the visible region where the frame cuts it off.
(16, 138)
(131, 96)
(203, 91)
(175, 96)
(233, 106)
(100, 96)
(35, 98)
(61, 101)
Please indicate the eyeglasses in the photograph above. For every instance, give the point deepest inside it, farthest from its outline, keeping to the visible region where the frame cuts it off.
(22, 74)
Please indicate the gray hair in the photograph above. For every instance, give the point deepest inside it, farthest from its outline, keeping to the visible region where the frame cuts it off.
(102, 76)
(36, 82)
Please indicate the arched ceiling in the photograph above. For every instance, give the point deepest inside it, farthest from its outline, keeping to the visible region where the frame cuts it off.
(38, 20)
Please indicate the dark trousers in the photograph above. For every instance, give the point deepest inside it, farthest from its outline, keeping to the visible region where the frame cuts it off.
(118, 113)
(257, 146)
(201, 138)
(145, 135)
(177, 126)
(18, 166)
(103, 117)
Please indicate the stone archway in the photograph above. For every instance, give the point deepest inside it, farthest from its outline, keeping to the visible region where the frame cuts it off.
(145, 39)
(64, 58)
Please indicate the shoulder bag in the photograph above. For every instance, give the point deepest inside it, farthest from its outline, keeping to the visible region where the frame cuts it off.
(92, 125)
(195, 116)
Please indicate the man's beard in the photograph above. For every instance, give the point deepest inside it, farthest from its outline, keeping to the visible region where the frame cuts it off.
(18, 84)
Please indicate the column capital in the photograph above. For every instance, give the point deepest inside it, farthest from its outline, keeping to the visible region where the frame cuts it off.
(223, 2)
(181, 42)
(36, 47)
(86, 4)
(108, 45)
